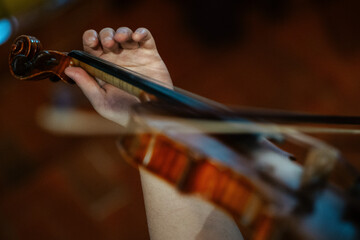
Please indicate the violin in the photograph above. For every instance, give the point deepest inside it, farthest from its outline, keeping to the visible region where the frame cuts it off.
(178, 137)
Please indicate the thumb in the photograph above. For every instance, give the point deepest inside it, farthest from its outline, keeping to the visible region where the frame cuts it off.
(87, 84)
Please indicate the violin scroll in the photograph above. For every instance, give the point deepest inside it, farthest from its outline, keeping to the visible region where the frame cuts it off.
(28, 61)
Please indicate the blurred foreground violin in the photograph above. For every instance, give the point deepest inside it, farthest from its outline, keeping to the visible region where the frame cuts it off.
(221, 154)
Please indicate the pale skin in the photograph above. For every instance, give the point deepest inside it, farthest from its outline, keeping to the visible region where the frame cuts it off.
(170, 214)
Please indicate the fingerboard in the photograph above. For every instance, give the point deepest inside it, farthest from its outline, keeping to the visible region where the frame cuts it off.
(133, 82)
(108, 78)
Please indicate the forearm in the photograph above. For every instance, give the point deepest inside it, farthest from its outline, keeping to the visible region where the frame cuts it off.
(172, 215)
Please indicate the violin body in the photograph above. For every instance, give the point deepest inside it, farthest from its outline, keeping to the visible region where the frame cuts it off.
(261, 188)
(269, 195)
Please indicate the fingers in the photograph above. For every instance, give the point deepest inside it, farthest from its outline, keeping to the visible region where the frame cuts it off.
(124, 37)
(110, 41)
(107, 40)
(144, 38)
(108, 101)
(88, 85)
(91, 43)
(140, 38)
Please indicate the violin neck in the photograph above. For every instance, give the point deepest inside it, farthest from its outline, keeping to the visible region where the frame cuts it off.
(136, 84)
(96, 69)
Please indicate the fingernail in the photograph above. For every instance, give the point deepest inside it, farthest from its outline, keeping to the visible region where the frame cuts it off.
(91, 39)
(108, 39)
(141, 30)
(122, 31)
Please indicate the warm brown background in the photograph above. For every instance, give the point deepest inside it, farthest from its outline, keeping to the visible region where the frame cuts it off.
(291, 55)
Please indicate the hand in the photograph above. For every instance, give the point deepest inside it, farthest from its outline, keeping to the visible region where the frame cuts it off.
(133, 50)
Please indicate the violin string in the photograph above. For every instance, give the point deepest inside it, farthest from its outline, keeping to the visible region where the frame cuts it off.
(195, 102)
(295, 117)
(273, 114)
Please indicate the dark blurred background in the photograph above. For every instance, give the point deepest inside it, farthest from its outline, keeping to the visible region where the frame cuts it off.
(57, 184)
